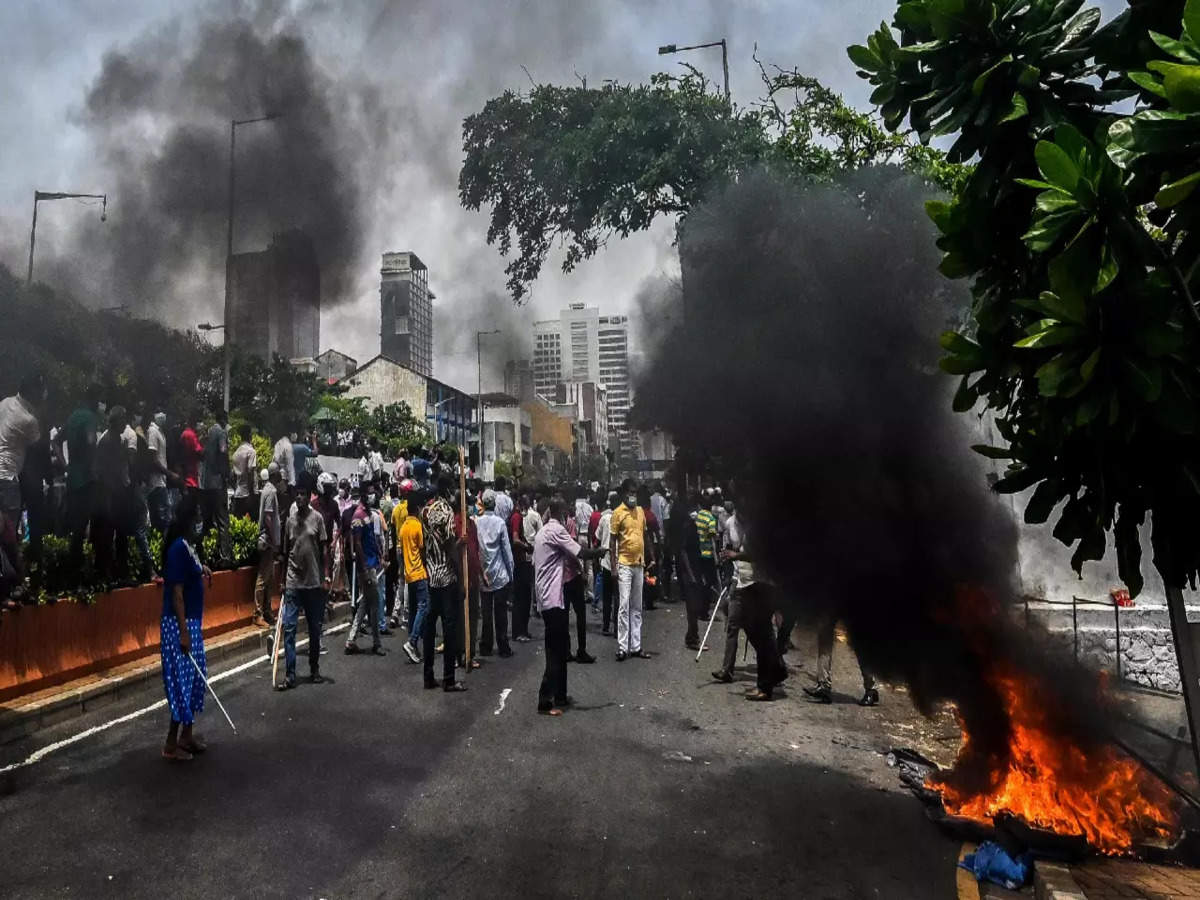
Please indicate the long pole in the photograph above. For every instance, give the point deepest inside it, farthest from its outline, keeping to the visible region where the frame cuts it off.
(228, 269)
(725, 66)
(479, 391)
(462, 503)
(32, 235)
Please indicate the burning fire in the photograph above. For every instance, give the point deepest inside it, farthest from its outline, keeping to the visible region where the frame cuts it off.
(1100, 793)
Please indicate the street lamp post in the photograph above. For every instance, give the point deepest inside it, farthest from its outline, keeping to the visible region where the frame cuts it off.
(671, 48)
(209, 326)
(233, 124)
(479, 395)
(38, 196)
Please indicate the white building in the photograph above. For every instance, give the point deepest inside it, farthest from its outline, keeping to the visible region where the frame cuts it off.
(581, 346)
(507, 434)
(586, 403)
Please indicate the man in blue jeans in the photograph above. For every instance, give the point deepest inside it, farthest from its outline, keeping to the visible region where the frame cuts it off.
(306, 584)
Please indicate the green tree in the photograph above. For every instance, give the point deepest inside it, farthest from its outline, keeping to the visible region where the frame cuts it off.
(395, 427)
(576, 165)
(1075, 228)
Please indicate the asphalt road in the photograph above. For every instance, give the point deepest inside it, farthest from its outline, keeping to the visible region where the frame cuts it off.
(660, 783)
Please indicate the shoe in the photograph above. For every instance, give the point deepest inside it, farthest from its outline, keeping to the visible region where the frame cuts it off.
(505, 654)
(259, 621)
(287, 684)
(759, 695)
(691, 645)
(351, 649)
(565, 702)
(819, 694)
(411, 652)
(385, 632)
(549, 711)
(431, 683)
(584, 657)
(379, 651)
(522, 639)
(316, 678)
(454, 687)
(607, 632)
(640, 654)
(722, 676)
(870, 698)
(621, 656)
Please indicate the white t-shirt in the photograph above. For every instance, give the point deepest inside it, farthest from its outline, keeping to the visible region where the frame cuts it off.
(531, 524)
(245, 467)
(18, 429)
(286, 460)
(157, 442)
(376, 462)
(604, 537)
(743, 571)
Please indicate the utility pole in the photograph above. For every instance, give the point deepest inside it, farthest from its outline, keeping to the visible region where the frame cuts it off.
(671, 48)
(233, 124)
(38, 196)
(479, 386)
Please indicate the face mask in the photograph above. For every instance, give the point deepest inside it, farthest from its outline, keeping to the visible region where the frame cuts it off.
(370, 499)
(102, 406)
(198, 528)
(631, 501)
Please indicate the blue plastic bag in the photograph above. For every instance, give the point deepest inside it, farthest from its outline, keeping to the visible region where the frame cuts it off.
(990, 862)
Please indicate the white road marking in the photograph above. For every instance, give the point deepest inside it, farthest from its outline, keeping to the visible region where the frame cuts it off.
(503, 697)
(40, 754)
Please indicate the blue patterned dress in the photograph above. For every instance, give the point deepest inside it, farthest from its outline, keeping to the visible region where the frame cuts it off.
(184, 688)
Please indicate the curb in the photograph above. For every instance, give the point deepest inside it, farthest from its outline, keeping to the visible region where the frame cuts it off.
(1053, 881)
(25, 716)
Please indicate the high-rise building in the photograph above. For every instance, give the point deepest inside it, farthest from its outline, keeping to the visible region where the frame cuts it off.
(582, 345)
(406, 312)
(275, 299)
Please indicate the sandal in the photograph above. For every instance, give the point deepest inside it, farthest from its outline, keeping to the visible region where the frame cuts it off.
(194, 746)
(552, 711)
(759, 696)
(175, 754)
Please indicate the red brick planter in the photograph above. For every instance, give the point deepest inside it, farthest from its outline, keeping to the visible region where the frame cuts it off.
(41, 646)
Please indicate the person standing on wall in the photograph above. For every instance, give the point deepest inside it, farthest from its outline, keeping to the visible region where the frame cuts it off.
(269, 534)
(245, 471)
(214, 496)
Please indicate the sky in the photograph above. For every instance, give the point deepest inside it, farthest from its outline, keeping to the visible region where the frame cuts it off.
(393, 80)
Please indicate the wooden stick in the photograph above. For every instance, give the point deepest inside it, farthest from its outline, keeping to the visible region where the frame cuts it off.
(466, 574)
(278, 636)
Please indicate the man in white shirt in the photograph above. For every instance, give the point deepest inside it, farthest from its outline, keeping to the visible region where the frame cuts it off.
(269, 545)
(19, 428)
(504, 503)
(158, 498)
(285, 458)
(245, 468)
(607, 584)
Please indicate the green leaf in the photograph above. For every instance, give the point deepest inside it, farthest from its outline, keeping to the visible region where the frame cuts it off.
(1052, 337)
(1056, 166)
(1177, 191)
(864, 58)
(1017, 480)
(1052, 375)
(1152, 131)
(965, 397)
(1181, 82)
(1079, 27)
(1129, 548)
(956, 365)
(1073, 272)
(1191, 20)
(1046, 231)
(1148, 82)
(953, 342)
(1041, 504)
(939, 212)
(992, 452)
(977, 87)
(1067, 309)
(883, 94)
(1017, 109)
(1175, 48)
(954, 265)
(1088, 369)
(1040, 185)
(1159, 339)
(1144, 377)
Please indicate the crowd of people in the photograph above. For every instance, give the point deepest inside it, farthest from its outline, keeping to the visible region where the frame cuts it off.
(390, 538)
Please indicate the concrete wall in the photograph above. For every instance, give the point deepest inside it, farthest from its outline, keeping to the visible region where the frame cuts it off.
(548, 428)
(383, 382)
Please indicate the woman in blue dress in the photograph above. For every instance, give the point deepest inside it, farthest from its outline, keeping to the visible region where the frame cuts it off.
(181, 632)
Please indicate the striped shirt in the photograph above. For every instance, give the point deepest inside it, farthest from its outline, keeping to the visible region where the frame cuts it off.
(706, 530)
(438, 518)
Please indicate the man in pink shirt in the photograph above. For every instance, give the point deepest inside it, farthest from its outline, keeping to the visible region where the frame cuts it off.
(554, 552)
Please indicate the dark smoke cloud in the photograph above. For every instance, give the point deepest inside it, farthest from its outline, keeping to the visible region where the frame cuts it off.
(808, 365)
(158, 114)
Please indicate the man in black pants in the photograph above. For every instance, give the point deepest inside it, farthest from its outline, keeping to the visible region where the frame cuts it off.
(685, 547)
(441, 560)
(522, 594)
(496, 563)
(575, 599)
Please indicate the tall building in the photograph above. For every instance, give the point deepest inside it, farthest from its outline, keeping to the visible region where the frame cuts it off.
(582, 345)
(274, 299)
(518, 379)
(406, 312)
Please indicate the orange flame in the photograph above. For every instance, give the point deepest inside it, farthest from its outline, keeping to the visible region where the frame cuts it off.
(1102, 794)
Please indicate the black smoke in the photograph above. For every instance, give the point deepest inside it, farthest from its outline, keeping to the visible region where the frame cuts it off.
(158, 115)
(807, 364)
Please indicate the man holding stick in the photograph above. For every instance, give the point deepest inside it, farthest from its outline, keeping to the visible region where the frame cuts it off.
(441, 560)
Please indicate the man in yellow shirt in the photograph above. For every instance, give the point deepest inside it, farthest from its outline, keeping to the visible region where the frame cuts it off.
(628, 548)
(412, 549)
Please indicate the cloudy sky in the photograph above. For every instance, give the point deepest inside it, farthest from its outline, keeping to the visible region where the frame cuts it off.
(110, 96)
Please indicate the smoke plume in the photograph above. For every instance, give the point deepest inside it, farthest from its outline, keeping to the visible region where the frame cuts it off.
(808, 364)
(158, 117)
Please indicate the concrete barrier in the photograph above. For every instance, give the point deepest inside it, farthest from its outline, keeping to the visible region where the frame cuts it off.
(43, 646)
